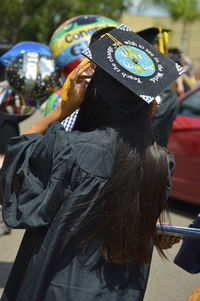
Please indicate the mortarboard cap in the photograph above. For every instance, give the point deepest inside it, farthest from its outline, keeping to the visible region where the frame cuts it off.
(97, 34)
(133, 62)
(156, 35)
(149, 34)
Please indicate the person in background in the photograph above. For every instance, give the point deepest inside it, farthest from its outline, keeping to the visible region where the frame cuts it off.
(187, 81)
(168, 105)
(9, 127)
(177, 86)
(188, 257)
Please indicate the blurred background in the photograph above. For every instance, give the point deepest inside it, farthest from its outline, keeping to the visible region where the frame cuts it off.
(26, 20)
(42, 21)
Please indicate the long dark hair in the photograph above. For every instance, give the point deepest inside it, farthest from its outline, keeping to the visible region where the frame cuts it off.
(125, 213)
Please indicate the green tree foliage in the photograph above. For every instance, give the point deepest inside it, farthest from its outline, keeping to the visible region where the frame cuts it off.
(36, 20)
(186, 11)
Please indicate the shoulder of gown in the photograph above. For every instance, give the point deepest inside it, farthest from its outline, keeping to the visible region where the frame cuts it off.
(39, 172)
(94, 151)
(37, 167)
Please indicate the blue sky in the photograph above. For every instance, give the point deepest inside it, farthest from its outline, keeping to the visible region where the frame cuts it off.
(149, 10)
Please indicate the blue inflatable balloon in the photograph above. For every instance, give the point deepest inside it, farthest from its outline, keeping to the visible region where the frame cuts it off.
(23, 47)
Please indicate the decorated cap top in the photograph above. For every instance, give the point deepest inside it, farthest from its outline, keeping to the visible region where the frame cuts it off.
(134, 62)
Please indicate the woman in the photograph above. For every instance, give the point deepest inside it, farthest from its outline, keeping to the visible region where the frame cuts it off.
(89, 200)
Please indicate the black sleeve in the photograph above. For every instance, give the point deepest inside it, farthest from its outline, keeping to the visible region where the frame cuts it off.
(170, 173)
(9, 128)
(32, 176)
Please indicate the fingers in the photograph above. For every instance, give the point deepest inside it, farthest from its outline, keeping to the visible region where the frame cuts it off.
(84, 77)
(80, 74)
(177, 240)
(78, 81)
(81, 70)
(82, 89)
(77, 74)
(74, 74)
(167, 241)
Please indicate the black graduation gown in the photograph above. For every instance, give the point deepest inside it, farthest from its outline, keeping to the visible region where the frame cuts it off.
(8, 128)
(165, 115)
(43, 179)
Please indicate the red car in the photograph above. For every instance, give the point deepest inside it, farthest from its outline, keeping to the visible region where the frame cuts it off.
(184, 143)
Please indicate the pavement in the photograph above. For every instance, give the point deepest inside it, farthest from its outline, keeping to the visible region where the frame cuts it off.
(8, 249)
(167, 282)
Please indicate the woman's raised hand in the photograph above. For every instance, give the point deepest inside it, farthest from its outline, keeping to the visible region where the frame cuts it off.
(74, 88)
(78, 83)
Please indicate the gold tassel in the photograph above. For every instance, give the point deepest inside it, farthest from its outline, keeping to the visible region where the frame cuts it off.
(160, 39)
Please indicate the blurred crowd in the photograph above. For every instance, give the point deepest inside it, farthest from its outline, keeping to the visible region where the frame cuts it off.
(187, 81)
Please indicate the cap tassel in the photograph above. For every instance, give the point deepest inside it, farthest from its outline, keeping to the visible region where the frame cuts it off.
(161, 40)
(131, 57)
(166, 41)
